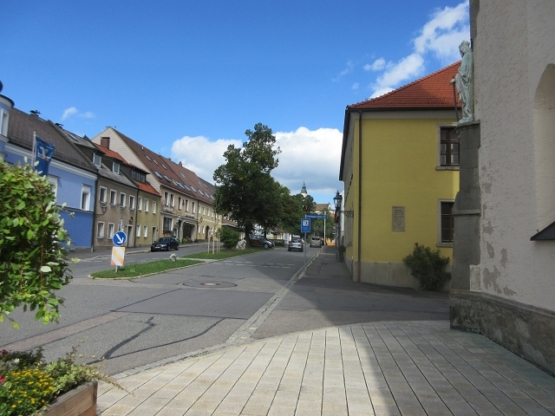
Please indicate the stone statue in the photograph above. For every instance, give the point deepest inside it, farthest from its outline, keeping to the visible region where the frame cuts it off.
(464, 82)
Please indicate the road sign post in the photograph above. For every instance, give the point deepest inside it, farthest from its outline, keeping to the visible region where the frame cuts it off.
(118, 251)
(305, 228)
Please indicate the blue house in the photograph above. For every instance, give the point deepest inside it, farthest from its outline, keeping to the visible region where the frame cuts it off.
(71, 173)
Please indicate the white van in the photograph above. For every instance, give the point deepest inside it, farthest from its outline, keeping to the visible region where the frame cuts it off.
(316, 241)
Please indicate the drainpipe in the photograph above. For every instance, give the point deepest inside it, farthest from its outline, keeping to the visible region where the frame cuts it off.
(359, 194)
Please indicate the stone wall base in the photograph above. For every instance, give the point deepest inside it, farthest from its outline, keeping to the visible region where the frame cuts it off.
(527, 331)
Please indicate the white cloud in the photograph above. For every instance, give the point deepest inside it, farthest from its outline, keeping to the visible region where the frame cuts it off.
(355, 86)
(310, 156)
(87, 114)
(349, 68)
(377, 65)
(440, 36)
(200, 154)
(69, 112)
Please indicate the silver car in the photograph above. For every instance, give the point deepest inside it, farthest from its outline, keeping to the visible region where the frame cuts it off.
(295, 244)
(316, 241)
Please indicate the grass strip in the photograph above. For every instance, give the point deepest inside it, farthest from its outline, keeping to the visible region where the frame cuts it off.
(223, 254)
(140, 269)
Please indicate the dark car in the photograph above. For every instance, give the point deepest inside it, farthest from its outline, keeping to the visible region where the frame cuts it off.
(165, 243)
(260, 241)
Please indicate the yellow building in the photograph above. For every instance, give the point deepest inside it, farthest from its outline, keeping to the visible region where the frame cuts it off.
(404, 148)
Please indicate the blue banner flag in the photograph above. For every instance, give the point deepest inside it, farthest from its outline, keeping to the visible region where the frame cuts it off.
(43, 154)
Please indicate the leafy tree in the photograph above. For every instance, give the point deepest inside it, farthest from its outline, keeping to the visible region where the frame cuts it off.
(245, 188)
(32, 260)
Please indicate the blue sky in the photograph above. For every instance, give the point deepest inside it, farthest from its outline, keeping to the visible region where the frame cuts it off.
(188, 78)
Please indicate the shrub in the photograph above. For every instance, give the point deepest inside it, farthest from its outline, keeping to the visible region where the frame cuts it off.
(229, 237)
(23, 392)
(428, 267)
(32, 260)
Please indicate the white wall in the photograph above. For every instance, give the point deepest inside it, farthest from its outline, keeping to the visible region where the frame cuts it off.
(514, 44)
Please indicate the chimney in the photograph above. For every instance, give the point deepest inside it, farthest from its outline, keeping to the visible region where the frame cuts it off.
(180, 164)
(105, 142)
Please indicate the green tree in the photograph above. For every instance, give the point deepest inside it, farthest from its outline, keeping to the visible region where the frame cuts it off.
(32, 260)
(245, 188)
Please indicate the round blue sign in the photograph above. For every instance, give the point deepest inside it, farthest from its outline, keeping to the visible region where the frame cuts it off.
(119, 238)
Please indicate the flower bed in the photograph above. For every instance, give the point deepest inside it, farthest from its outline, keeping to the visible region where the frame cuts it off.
(29, 385)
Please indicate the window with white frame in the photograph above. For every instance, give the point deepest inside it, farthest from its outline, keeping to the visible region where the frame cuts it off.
(100, 230)
(54, 183)
(187, 205)
(4, 122)
(115, 168)
(145, 231)
(97, 160)
(172, 202)
(86, 198)
(146, 205)
(165, 198)
(193, 206)
(179, 203)
(131, 202)
(137, 230)
(111, 229)
(154, 207)
(122, 198)
(139, 203)
(102, 195)
(113, 196)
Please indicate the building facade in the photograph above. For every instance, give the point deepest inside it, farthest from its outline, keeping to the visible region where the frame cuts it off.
(507, 291)
(71, 174)
(399, 165)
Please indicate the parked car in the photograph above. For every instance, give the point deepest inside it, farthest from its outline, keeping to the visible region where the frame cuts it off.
(296, 244)
(260, 241)
(165, 243)
(316, 242)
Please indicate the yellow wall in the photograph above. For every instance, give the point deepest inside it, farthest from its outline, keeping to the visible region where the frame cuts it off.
(400, 157)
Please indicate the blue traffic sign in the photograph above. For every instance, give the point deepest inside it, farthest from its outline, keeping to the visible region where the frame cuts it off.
(316, 216)
(119, 238)
(305, 225)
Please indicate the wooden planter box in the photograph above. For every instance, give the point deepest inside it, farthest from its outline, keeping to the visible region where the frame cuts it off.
(77, 402)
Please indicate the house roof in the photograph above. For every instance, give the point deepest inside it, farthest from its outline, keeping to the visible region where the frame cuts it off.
(434, 91)
(20, 132)
(165, 169)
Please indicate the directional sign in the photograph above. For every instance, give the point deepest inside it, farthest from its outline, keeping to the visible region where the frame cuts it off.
(305, 225)
(119, 238)
(316, 217)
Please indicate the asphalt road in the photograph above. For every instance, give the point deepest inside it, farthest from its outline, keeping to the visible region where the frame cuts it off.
(133, 323)
(136, 322)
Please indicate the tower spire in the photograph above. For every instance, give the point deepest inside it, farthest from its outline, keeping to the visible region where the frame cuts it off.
(303, 190)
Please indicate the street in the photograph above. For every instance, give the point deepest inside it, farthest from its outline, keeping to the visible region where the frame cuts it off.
(136, 322)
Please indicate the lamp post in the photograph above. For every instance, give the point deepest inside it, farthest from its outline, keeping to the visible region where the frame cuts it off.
(338, 199)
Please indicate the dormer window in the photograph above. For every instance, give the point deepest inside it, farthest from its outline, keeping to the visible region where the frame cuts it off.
(115, 168)
(97, 160)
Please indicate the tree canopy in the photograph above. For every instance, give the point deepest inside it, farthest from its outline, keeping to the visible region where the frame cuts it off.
(244, 186)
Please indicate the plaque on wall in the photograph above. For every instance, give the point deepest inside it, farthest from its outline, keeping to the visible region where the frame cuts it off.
(398, 219)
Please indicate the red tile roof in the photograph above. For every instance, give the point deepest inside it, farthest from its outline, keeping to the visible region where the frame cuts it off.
(434, 91)
(147, 187)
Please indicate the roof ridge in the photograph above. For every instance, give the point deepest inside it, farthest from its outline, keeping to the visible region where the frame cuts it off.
(404, 87)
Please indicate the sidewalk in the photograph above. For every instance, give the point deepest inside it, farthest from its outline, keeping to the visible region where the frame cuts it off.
(382, 368)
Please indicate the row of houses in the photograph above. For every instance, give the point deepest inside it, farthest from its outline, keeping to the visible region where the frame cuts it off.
(481, 191)
(112, 183)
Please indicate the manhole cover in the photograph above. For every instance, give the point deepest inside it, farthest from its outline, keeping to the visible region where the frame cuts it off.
(211, 285)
